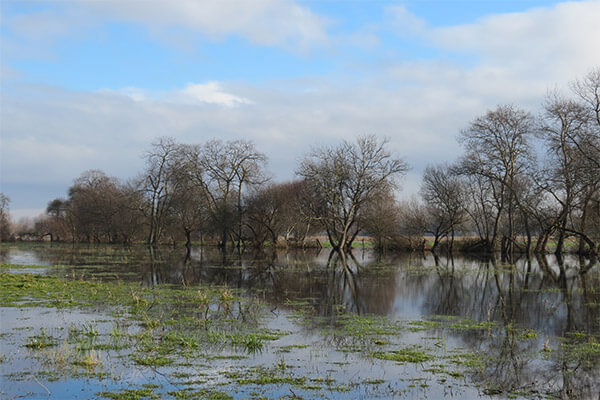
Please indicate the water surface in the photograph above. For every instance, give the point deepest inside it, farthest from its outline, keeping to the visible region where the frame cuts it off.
(337, 325)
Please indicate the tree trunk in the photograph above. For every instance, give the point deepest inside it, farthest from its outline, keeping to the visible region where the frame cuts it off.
(188, 238)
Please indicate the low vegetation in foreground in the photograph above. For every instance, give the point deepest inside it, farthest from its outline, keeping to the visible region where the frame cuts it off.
(214, 342)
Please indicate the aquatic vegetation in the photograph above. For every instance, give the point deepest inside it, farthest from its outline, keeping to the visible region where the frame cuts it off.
(41, 341)
(253, 344)
(581, 350)
(90, 360)
(468, 324)
(130, 394)
(205, 394)
(152, 361)
(416, 326)
(219, 339)
(409, 354)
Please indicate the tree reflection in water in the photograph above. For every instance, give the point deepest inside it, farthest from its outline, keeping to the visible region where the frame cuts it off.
(544, 312)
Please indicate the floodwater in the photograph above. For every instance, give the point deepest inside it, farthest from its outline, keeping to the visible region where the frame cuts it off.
(530, 329)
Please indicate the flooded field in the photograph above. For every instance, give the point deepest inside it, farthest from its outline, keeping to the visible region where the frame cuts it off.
(108, 322)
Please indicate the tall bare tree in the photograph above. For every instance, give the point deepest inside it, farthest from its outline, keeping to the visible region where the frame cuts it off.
(572, 173)
(444, 195)
(99, 209)
(497, 149)
(380, 218)
(159, 184)
(224, 171)
(341, 179)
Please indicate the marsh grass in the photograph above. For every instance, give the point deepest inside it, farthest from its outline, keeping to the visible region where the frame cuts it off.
(185, 331)
(41, 341)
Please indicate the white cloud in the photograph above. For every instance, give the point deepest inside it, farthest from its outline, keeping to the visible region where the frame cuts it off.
(541, 43)
(281, 23)
(421, 105)
(213, 93)
(405, 22)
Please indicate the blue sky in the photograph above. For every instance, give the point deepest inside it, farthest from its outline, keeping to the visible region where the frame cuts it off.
(90, 84)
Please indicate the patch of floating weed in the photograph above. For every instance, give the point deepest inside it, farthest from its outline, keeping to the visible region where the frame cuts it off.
(340, 388)
(41, 341)
(417, 326)
(468, 360)
(289, 348)
(581, 349)
(205, 394)
(273, 380)
(267, 377)
(406, 355)
(528, 334)
(130, 394)
(226, 357)
(362, 327)
(472, 325)
(90, 360)
(373, 381)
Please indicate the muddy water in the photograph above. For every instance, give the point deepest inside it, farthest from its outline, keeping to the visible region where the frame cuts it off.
(487, 327)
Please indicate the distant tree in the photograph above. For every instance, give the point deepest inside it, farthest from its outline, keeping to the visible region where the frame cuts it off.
(224, 172)
(498, 150)
(4, 218)
(263, 210)
(414, 223)
(101, 209)
(380, 218)
(189, 208)
(587, 90)
(159, 184)
(572, 173)
(342, 179)
(58, 223)
(275, 211)
(444, 196)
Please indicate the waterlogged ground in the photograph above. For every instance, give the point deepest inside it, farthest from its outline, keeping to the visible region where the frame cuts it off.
(90, 322)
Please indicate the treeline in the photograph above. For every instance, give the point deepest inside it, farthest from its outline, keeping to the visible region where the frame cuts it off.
(219, 192)
(522, 182)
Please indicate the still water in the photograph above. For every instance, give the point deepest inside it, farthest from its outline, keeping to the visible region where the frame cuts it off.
(361, 326)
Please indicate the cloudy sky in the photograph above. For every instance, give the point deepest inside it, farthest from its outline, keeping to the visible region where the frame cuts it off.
(91, 84)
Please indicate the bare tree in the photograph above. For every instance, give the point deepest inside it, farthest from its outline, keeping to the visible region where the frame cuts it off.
(159, 185)
(224, 171)
(4, 218)
(413, 224)
(273, 211)
(341, 179)
(99, 209)
(189, 208)
(572, 173)
(498, 150)
(444, 196)
(588, 91)
(380, 218)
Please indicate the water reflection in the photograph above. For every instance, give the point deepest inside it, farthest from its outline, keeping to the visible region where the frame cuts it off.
(553, 297)
(549, 294)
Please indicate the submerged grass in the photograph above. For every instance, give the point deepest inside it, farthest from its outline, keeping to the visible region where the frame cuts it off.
(130, 394)
(180, 331)
(405, 355)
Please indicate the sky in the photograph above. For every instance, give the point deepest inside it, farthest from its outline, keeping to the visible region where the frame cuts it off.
(92, 84)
